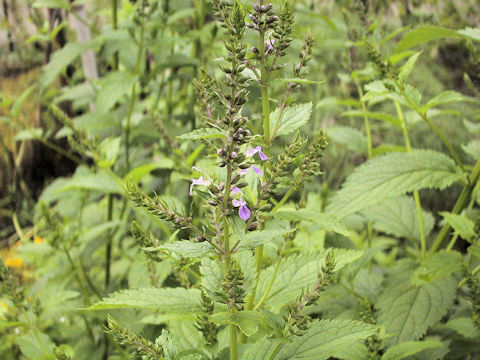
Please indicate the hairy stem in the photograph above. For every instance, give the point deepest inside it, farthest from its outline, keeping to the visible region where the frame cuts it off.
(366, 121)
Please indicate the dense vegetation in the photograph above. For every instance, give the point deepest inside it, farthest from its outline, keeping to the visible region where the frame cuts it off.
(240, 180)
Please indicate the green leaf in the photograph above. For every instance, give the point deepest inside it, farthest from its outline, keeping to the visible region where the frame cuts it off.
(472, 33)
(392, 175)
(444, 97)
(290, 119)
(407, 68)
(112, 88)
(464, 326)
(204, 133)
(408, 348)
(299, 81)
(320, 342)
(248, 321)
(374, 115)
(100, 181)
(439, 265)
(108, 149)
(212, 278)
(297, 273)
(141, 171)
(185, 248)
(17, 106)
(256, 238)
(351, 138)
(60, 4)
(408, 311)
(166, 300)
(472, 149)
(329, 222)
(424, 34)
(463, 226)
(398, 216)
(29, 134)
(36, 346)
(61, 58)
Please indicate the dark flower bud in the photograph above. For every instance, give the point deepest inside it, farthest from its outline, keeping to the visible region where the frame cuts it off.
(266, 207)
(233, 155)
(244, 166)
(253, 226)
(212, 202)
(256, 7)
(235, 179)
(242, 185)
(254, 49)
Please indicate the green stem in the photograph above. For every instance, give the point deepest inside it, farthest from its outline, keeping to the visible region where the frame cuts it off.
(264, 90)
(115, 27)
(233, 342)
(284, 199)
(108, 252)
(416, 195)
(461, 203)
(366, 121)
(435, 129)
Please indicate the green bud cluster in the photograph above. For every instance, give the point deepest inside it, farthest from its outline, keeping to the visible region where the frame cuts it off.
(263, 18)
(384, 67)
(156, 207)
(297, 321)
(10, 285)
(282, 167)
(283, 30)
(474, 286)
(305, 56)
(208, 329)
(233, 286)
(145, 240)
(374, 343)
(138, 345)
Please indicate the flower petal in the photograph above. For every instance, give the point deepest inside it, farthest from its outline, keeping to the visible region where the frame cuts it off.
(251, 151)
(238, 203)
(257, 170)
(236, 190)
(244, 213)
(262, 155)
(243, 171)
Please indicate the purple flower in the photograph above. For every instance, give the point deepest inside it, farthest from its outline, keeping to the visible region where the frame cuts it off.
(256, 169)
(251, 151)
(199, 181)
(243, 211)
(235, 190)
(269, 45)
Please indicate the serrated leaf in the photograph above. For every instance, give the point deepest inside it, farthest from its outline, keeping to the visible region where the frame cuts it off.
(462, 225)
(464, 326)
(100, 181)
(320, 342)
(297, 273)
(408, 348)
(112, 88)
(408, 311)
(29, 134)
(351, 138)
(257, 238)
(407, 68)
(424, 34)
(248, 321)
(290, 119)
(392, 175)
(374, 115)
(445, 97)
(166, 300)
(439, 265)
(472, 149)
(204, 133)
(36, 346)
(185, 248)
(212, 278)
(398, 217)
(329, 222)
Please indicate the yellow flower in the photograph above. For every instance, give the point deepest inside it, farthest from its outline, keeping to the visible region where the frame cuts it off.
(37, 240)
(3, 306)
(14, 262)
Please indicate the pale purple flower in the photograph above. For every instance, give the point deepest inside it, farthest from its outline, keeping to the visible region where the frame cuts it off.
(269, 45)
(199, 181)
(235, 190)
(243, 211)
(251, 151)
(256, 169)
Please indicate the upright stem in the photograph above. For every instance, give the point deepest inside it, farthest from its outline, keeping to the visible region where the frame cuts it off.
(461, 203)
(115, 27)
(366, 121)
(264, 89)
(108, 253)
(233, 342)
(416, 196)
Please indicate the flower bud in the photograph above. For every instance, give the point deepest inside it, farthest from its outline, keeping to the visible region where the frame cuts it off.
(253, 226)
(242, 185)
